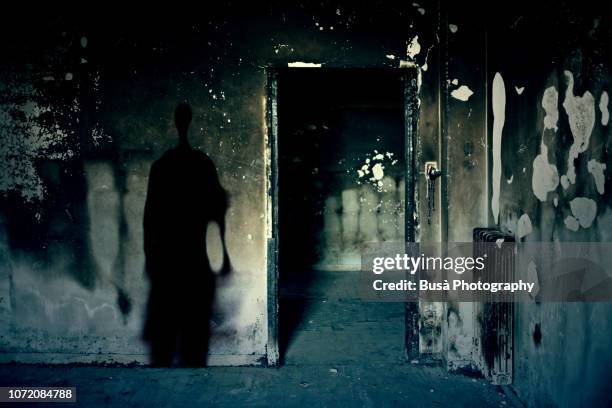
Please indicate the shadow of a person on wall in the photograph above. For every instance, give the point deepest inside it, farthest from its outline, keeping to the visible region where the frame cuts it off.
(184, 195)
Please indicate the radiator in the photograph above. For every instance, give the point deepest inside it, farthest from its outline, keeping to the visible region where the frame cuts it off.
(495, 318)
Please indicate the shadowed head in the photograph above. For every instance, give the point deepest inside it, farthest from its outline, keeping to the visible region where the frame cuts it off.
(182, 117)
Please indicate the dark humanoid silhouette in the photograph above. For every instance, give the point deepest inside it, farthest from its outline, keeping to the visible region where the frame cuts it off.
(184, 195)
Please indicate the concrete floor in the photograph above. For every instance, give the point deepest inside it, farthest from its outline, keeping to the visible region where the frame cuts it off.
(340, 352)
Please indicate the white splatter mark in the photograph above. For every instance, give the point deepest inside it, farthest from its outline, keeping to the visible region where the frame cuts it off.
(455, 81)
(520, 90)
(84, 42)
(300, 64)
(584, 210)
(581, 116)
(571, 223)
(564, 182)
(68, 76)
(556, 201)
(413, 47)
(545, 176)
(550, 101)
(603, 107)
(597, 170)
(453, 28)
(499, 242)
(390, 56)
(509, 181)
(462, 93)
(377, 171)
(499, 117)
(523, 227)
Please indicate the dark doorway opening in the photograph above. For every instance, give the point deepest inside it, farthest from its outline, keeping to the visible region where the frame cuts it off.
(341, 172)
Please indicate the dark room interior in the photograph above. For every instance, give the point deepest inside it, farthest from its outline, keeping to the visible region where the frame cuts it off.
(219, 206)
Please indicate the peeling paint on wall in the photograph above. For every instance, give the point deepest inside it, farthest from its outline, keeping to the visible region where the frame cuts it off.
(413, 48)
(581, 116)
(571, 223)
(375, 166)
(584, 210)
(550, 101)
(523, 227)
(31, 130)
(519, 91)
(462, 93)
(603, 107)
(597, 170)
(545, 177)
(499, 117)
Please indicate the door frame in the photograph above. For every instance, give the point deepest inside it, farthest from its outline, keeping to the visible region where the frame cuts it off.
(410, 79)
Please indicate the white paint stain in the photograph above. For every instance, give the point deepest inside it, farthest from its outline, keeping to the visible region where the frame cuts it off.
(571, 223)
(462, 93)
(581, 116)
(499, 117)
(374, 167)
(597, 170)
(556, 201)
(584, 210)
(455, 81)
(603, 107)
(390, 56)
(84, 42)
(509, 181)
(68, 76)
(550, 101)
(523, 227)
(520, 90)
(301, 64)
(453, 28)
(413, 48)
(565, 182)
(378, 171)
(545, 176)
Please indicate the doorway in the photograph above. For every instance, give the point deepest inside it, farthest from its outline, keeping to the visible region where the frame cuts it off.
(342, 143)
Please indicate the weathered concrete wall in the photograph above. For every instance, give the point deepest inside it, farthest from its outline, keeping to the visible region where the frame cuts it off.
(86, 107)
(549, 73)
